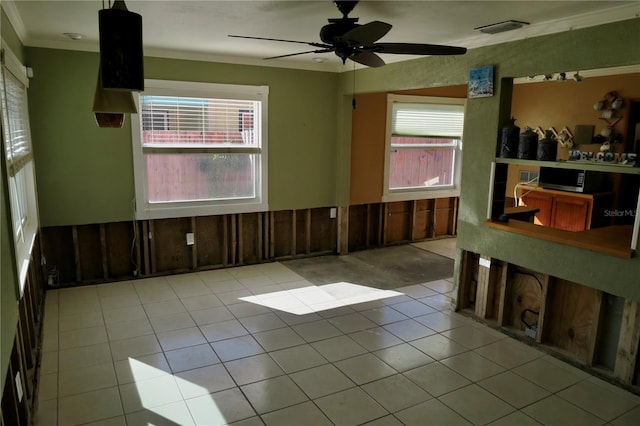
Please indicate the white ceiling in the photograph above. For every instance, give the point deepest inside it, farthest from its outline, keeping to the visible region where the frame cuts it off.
(199, 29)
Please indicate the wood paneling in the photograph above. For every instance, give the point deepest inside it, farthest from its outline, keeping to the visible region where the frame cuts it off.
(323, 231)
(172, 254)
(209, 237)
(398, 222)
(90, 253)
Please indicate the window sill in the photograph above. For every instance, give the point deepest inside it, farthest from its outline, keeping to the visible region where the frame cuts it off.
(420, 195)
(613, 240)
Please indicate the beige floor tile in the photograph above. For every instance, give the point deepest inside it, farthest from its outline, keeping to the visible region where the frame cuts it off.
(555, 411)
(472, 366)
(280, 338)
(438, 346)
(435, 411)
(156, 309)
(234, 296)
(175, 413)
(403, 357)
(47, 412)
(139, 368)
(129, 329)
(389, 420)
(80, 320)
(630, 418)
(263, 322)
(375, 338)
(225, 286)
(204, 380)
(509, 353)
(253, 369)
(82, 337)
(384, 315)
(416, 291)
(513, 389)
(298, 358)
(48, 386)
(212, 315)
(273, 394)
(551, 376)
(247, 309)
(364, 368)
(352, 322)
(396, 393)
(89, 407)
(413, 308)
(317, 330)
(471, 337)
(196, 303)
(440, 302)
(136, 346)
(238, 347)
(223, 330)
(215, 276)
(436, 379)
(84, 356)
(599, 400)
(171, 322)
(350, 407)
(337, 348)
(475, 404)
(306, 412)
(516, 418)
(123, 314)
(409, 329)
(191, 357)
(78, 380)
(192, 289)
(322, 380)
(113, 421)
(440, 286)
(220, 408)
(181, 338)
(149, 393)
(440, 321)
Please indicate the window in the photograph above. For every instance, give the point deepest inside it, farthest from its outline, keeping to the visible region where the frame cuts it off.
(19, 160)
(200, 149)
(424, 147)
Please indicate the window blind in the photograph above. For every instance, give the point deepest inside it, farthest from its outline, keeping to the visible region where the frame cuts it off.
(188, 121)
(15, 122)
(431, 120)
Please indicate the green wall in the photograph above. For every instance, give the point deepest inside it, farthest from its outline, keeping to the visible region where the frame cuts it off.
(85, 173)
(597, 47)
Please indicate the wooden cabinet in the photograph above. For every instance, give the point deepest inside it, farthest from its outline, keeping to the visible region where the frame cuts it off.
(566, 210)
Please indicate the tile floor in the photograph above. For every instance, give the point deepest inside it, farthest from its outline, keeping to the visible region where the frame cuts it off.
(188, 350)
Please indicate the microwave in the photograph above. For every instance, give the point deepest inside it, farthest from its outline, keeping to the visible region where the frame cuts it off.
(573, 180)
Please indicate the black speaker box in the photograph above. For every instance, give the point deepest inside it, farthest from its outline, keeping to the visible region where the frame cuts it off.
(121, 57)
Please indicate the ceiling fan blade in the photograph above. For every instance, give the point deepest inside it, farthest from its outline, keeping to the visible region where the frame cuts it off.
(301, 53)
(369, 59)
(322, 45)
(415, 49)
(368, 33)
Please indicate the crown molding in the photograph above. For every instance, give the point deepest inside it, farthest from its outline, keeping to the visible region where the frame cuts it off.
(9, 7)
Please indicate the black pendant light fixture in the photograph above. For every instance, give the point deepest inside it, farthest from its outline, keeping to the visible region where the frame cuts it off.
(121, 65)
(121, 59)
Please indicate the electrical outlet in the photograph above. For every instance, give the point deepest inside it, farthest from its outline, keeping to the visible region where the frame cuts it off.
(190, 238)
(530, 331)
(332, 213)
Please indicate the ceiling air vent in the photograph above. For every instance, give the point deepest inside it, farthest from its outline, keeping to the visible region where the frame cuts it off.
(501, 27)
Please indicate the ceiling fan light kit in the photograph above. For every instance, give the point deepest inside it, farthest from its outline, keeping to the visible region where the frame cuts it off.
(350, 40)
(501, 27)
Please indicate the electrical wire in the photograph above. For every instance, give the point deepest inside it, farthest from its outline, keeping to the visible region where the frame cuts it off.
(524, 311)
(515, 190)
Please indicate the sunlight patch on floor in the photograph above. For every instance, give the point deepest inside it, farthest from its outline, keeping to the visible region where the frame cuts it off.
(306, 300)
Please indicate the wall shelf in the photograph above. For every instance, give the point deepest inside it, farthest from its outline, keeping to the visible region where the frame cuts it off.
(577, 165)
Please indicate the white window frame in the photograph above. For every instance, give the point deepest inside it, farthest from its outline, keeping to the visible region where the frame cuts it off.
(146, 210)
(390, 195)
(20, 177)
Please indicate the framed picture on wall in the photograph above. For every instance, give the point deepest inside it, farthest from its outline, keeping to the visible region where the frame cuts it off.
(481, 82)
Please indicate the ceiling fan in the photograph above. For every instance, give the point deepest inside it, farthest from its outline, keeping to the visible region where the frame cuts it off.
(350, 40)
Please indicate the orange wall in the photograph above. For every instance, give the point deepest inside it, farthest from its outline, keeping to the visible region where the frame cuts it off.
(559, 104)
(368, 140)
